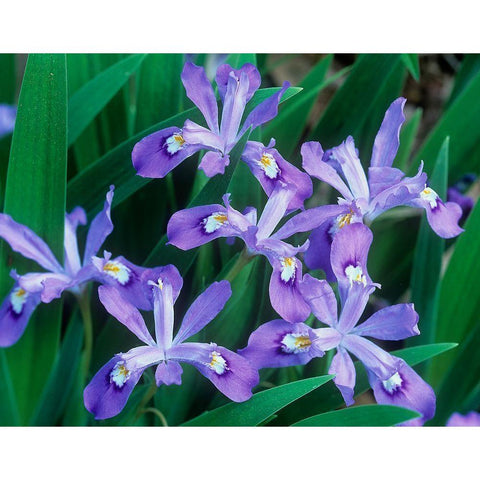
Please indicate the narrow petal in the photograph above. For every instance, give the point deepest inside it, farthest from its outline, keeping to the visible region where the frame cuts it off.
(281, 344)
(15, 312)
(344, 371)
(169, 373)
(232, 374)
(163, 314)
(160, 152)
(318, 254)
(124, 312)
(404, 388)
(214, 163)
(196, 134)
(100, 228)
(391, 323)
(353, 305)
(72, 256)
(48, 285)
(321, 299)
(196, 226)
(204, 309)
(159, 275)
(264, 112)
(388, 137)
(224, 71)
(27, 243)
(313, 164)
(200, 92)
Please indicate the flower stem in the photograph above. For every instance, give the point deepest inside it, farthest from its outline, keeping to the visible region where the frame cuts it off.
(157, 413)
(243, 259)
(84, 302)
(146, 398)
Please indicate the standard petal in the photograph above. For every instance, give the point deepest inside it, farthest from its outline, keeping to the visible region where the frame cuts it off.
(313, 164)
(344, 371)
(26, 242)
(100, 228)
(163, 314)
(195, 226)
(15, 312)
(281, 344)
(48, 285)
(159, 275)
(404, 388)
(200, 92)
(204, 309)
(391, 323)
(72, 256)
(168, 373)
(319, 295)
(124, 312)
(214, 163)
(160, 152)
(223, 73)
(388, 137)
(353, 305)
(232, 374)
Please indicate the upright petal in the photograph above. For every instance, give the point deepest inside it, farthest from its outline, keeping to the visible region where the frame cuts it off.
(214, 163)
(160, 152)
(391, 323)
(312, 155)
(124, 312)
(15, 312)
(318, 254)
(100, 228)
(253, 75)
(196, 226)
(200, 92)
(204, 309)
(232, 374)
(72, 256)
(281, 344)
(353, 305)
(26, 242)
(388, 137)
(163, 314)
(404, 388)
(159, 275)
(319, 295)
(345, 375)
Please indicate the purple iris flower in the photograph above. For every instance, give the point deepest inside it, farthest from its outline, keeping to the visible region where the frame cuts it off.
(278, 343)
(32, 288)
(270, 168)
(8, 114)
(196, 226)
(471, 419)
(159, 153)
(363, 199)
(108, 392)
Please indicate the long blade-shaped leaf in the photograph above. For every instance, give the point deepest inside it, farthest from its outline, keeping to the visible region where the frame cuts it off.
(261, 406)
(411, 62)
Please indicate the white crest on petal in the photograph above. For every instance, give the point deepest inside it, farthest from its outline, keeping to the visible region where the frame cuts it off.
(117, 270)
(218, 364)
(393, 383)
(269, 165)
(289, 267)
(296, 343)
(429, 195)
(214, 221)
(355, 274)
(17, 299)
(175, 143)
(340, 222)
(119, 374)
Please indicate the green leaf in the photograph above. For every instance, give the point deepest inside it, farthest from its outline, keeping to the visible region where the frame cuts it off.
(363, 416)
(35, 196)
(407, 137)
(7, 78)
(351, 104)
(411, 62)
(9, 415)
(237, 60)
(427, 261)
(89, 100)
(260, 407)
(59, 384)
(468, 71)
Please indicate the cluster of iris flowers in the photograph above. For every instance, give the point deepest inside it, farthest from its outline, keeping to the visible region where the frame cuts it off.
(339, 243)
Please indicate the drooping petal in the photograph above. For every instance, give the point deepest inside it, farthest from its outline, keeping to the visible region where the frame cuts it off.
(264, 112)
(388, 137)
(346, 155)
(159, 275)
(281, 344)
(124, 312)
(285, 295)
(160, 152)
(313, 164)
(232, 374)
(195, 226)
(319, 295)
(269, 167)
(214, 163)
(15, 312)
(48, 285)
(224, 71)
(404, 388)
(72, 256)
(344, 371)
(373, 357)
(168, 373)
(204, 309)
(391, 323)
(100, 228)
(200, 92)
(29, 244)
(471, 419)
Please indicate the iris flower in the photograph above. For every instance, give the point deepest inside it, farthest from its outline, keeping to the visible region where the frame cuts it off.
(108, 392)
(278, 343)
(159, 153)
(471, 419)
